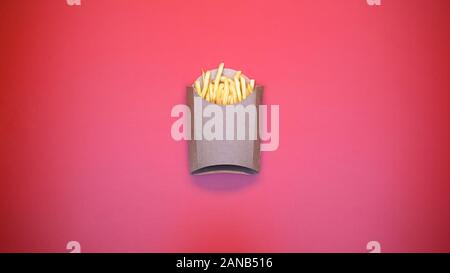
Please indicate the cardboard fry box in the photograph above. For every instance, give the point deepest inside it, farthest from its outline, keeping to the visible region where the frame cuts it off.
(224, 156)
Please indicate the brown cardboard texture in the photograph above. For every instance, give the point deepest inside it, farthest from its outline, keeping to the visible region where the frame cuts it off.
(224, 156)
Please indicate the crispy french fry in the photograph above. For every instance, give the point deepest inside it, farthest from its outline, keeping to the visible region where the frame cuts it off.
(217, 94)
(233, 90)
(243, 88)
(252, 84)
(220, 92)
(238, 85)
(226, 92)
(218, 75)
(207, 97)
(206, 84)
(238, 88)
(203, 76)
(212, 94)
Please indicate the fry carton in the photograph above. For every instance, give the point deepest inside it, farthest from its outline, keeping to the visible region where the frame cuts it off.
(230, 150)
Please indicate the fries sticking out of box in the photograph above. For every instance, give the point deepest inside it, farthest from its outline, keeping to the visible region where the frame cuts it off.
(223, 89)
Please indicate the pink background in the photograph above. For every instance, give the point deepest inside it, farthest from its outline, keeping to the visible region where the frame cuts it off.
(85, 146)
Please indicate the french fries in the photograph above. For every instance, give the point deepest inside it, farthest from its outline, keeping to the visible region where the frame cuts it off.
(223, 90)
(205, 85)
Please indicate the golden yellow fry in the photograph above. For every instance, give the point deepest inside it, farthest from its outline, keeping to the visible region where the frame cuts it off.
(230, 100)
(226, 92)
(238, 85)
(203, 76)
(197, 88)
(208, 91)
(223, 79)
(207, 97)
(252, 84)
(211, 92)
(205, 84)
(249, 89)
(217, 94)
(243, 88)
(218, 75)
(233, 90)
